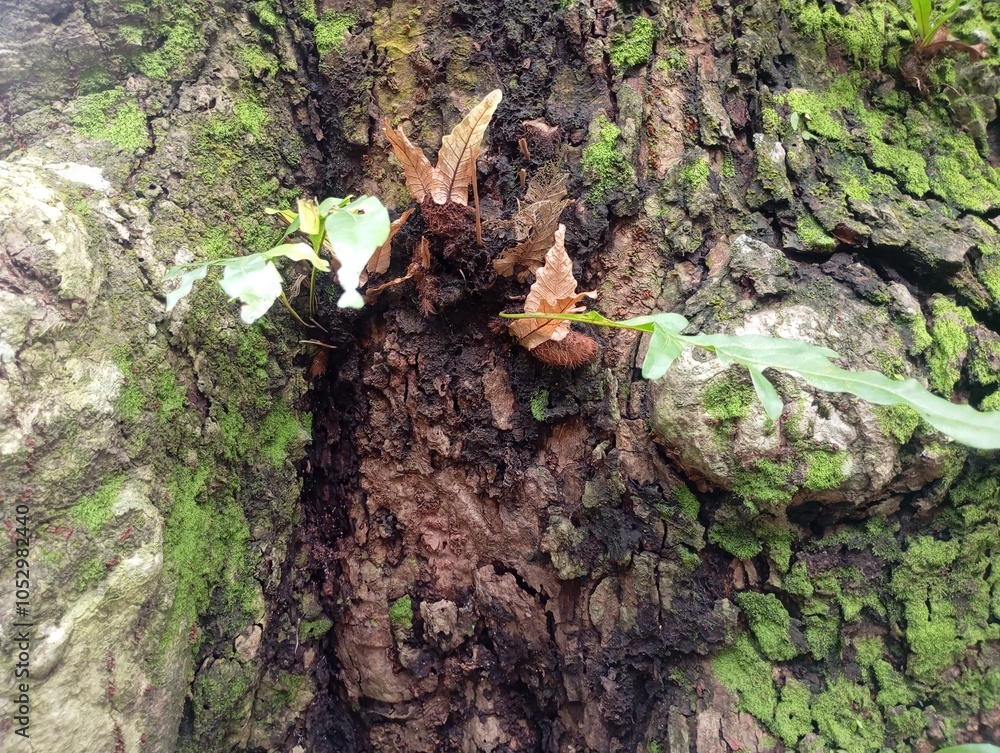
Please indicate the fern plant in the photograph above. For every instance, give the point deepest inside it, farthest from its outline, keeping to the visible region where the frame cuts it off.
(812, 363)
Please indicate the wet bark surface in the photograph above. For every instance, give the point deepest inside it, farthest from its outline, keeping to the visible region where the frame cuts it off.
(498, 555)
(495, 540)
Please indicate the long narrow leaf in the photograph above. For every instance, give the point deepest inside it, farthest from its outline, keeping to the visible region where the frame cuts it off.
(187, 280)
(768, 395)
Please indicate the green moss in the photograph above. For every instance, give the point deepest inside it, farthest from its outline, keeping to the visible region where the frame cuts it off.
(980, 365)
(861, 32)
(792, 717)
(95, 510)
(540, 405)
(769, 621)
(605, 167)
(887, 136)
(991, 402)
(824, 470)
(129, 34)
(959, 174)
(331, 29)
(737, 538)
(686, 501)
(811, 233)
(771, 122)
(89, 573)
(777, 538)
(796, 581)
(307, 11)
(278, 431)
(816, 111)
(897, 421)
(766, 483)
(728, 166)
(205, 548)
(848, 718)
(728, 397)
(822, 628)
(183, 44)
(921, 337)
(267, 14)
(634, 48)
(743, 671)
(949, 343)
(695, 174)
(130, 404)
(312, 629)
(401, 612)
(654, 747)
(169, 396)
(261, 64)
(112, 116)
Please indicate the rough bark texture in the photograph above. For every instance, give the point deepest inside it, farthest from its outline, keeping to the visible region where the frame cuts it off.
(492, 554)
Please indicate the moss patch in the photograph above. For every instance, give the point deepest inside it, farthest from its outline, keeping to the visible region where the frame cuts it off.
(634, 48)
(824, 470)
(769, 622)
(401, 612)
(728, 397)
(95, 510)
(949, 343)
(897, 421)
(766, 483)
(605, 167)
(331, 29)
(112, 116)
(312, 629)
(743, 671)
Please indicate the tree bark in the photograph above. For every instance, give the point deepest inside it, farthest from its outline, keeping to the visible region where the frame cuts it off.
(493, 554)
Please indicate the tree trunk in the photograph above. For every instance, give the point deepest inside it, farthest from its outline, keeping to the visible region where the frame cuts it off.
(496, 554)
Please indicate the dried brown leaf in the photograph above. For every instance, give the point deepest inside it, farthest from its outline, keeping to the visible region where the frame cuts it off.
(459, 149)
(416, 166)
(424, 252)
(379, 263)
(534, 225)
(553, 292)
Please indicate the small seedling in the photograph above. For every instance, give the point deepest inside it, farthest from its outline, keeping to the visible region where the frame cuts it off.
(349, 231)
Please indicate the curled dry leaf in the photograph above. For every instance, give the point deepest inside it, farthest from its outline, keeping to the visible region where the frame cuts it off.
(379, 263)
(449, 180)
(553, 292)
(534, 225)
